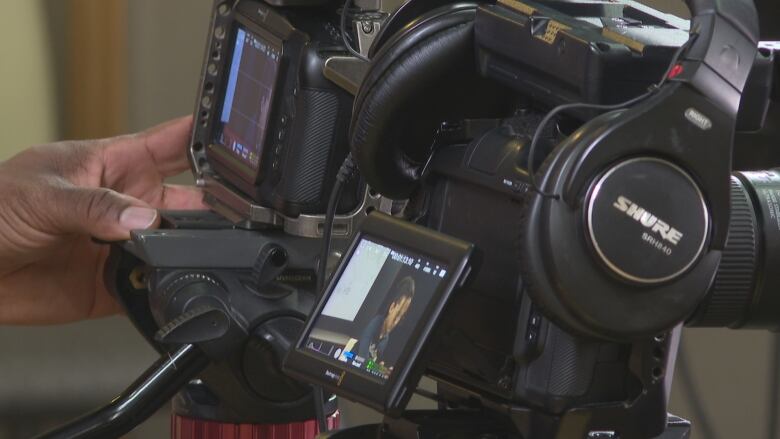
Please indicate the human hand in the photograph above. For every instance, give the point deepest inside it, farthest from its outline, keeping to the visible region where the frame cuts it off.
(55, 198)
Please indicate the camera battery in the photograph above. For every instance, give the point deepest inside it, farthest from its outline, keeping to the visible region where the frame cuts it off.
(592, 51)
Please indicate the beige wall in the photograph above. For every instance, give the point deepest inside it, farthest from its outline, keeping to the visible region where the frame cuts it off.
(28, 110)
(167, 40)
(672, 6)
(166, 44)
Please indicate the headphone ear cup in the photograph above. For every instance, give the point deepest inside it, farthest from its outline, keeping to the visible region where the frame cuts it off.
(533, 270)
(422, 77)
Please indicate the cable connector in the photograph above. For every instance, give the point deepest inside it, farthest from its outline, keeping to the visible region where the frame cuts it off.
(347, 170)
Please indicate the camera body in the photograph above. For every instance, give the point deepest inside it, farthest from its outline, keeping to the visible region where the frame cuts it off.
(494, 340)
(496, 349)
(270, 127)
(495, 343)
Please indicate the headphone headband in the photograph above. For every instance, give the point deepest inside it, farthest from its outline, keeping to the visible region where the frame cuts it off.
(719, 61)
(740, 13)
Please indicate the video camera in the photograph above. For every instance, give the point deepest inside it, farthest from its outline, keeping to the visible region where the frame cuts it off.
(592, 202)
(543, 200)
(271, 131)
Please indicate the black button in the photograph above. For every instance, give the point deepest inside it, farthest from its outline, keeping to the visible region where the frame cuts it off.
(283, 120)
(278, 149)
(531, 336)
(281, 134)
(275, 165)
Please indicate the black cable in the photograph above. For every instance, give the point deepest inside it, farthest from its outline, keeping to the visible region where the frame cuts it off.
(335, 196)
(344, 35)
(346, 172)
(554, 112)
(581, 105)
(327, 233)
(319, 409)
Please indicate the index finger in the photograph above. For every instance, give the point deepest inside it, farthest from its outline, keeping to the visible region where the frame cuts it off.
(166, 145)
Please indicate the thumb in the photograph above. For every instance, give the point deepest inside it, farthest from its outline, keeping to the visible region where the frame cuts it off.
(105, 214)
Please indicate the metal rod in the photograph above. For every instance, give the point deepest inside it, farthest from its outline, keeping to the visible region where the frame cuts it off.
(139, 401)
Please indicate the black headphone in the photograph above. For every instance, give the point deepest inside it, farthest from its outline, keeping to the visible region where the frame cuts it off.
(623, 235)
(416, 81)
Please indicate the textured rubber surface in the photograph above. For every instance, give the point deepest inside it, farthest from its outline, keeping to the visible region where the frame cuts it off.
(534, 278)
(304, 182)
(732, 291)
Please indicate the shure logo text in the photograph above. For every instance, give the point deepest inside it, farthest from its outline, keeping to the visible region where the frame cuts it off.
(648, 220)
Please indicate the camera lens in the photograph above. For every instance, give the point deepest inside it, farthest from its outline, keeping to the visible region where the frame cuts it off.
(746, 289)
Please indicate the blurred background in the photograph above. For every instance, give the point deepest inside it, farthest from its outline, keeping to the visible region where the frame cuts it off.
(73, 69)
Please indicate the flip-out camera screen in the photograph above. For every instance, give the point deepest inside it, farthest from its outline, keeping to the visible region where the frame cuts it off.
(366, 338)
(246, 107)
(380, 296)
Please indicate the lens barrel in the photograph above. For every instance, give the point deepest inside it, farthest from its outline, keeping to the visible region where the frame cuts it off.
(746, 289)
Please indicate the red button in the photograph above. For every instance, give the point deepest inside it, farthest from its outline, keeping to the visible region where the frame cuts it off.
(676, 71)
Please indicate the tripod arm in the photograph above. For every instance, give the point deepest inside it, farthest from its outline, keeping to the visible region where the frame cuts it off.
(138, 402)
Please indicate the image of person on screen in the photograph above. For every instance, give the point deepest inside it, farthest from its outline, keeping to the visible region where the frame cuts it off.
(374, 338)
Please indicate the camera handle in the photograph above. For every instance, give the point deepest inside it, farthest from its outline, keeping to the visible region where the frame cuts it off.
(138, 402)
(462, 424)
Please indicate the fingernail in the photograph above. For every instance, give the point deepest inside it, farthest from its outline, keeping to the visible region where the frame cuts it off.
(137, 218)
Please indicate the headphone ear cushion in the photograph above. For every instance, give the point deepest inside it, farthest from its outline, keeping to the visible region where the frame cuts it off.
(536, 281)
(383, 120)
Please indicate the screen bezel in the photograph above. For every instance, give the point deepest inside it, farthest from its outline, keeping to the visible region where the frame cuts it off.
(391, 395)
(250, 174)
